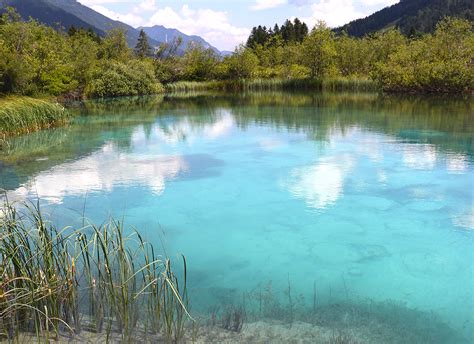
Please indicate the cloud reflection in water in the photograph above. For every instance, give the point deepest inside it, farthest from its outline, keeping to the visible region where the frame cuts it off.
(321, 185)
(101, 171)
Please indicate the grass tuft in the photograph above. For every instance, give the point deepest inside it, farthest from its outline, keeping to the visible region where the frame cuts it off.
(19, 115)
(56, 283)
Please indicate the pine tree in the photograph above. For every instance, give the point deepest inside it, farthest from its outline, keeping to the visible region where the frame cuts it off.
(142, 48)
(72, 30)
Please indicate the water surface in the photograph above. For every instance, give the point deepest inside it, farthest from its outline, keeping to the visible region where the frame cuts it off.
(366, 197)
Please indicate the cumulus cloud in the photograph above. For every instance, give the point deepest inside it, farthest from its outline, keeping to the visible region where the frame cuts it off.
(100, 2)
(266, 4)
(213, 26)
(379, 2)
(146, 5)
(339, 12)
(333, 12)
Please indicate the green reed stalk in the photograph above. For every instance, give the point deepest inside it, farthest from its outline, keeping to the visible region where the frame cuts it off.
(44, 272)
(19, 115)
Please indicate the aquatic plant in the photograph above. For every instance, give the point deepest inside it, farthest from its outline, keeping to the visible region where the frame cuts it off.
(193, 86)
(19, 115)
(341, 338)
(273, 84)
(55, 282)
(233, 319)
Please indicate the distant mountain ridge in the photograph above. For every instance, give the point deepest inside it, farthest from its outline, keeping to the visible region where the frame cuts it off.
(410, 16)
(163, 34)
(67, 13)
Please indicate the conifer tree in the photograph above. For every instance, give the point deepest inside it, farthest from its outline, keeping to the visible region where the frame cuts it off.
(143, 47)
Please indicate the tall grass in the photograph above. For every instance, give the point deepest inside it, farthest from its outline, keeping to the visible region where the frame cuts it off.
(56, 283)
(20, 115)
(193, 86)
(336, 84)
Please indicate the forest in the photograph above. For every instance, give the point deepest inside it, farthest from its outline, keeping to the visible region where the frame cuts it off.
(38, 60)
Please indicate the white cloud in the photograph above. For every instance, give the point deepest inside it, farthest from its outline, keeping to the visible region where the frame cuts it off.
(130, 18)
(339, 12)
(379, 2)
(213, 26)
(333, 12)
(100, 2)
(146, 5)
(266, 4)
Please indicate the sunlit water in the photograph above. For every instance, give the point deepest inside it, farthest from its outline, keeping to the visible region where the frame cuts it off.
(367, 197)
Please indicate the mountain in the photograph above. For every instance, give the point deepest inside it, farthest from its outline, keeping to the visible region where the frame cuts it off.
(66, 13)
(162, 34)
(47, 13)
(410, 16)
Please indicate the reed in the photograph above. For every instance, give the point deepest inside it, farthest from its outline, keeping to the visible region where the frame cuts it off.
(56, 283)
(194, 86)
(335, 84)
(19, 115)
(349, 85)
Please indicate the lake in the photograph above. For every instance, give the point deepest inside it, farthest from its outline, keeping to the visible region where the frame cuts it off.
(311, 200)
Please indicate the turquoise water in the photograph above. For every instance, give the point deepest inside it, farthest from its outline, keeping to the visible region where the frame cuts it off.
(363, 196)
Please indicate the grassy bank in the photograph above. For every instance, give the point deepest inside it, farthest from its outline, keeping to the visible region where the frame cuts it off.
(19, 115)
(56, 283)
(340, 84)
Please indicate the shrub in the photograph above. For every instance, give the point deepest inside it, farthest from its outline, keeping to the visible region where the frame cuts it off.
(120, 79)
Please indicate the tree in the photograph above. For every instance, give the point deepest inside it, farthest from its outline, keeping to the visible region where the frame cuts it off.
(84, 50)
(114, 46)
(143, 48)
(242, 64)
(439, 63)
(320, 51)
(199, 63)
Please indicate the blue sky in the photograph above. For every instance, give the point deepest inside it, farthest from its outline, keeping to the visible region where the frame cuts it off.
(225, 24)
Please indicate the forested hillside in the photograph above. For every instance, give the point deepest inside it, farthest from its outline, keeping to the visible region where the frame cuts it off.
(411, 16)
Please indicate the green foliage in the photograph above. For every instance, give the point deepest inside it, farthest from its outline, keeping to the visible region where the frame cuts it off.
(84, 61)
(116, 79)
(242, 64)
(143, 48)
(411, 17)
(199, 63)
(289, 32)
(441, 62)
(36, 59)
(115, 47)
(320, 51)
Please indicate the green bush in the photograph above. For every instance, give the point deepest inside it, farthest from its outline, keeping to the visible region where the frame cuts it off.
(435, 63)
(120, 79)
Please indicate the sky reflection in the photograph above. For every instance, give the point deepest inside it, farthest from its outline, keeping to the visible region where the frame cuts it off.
(101, 171)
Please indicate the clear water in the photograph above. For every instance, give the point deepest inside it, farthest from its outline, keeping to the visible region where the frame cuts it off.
(368, 197)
